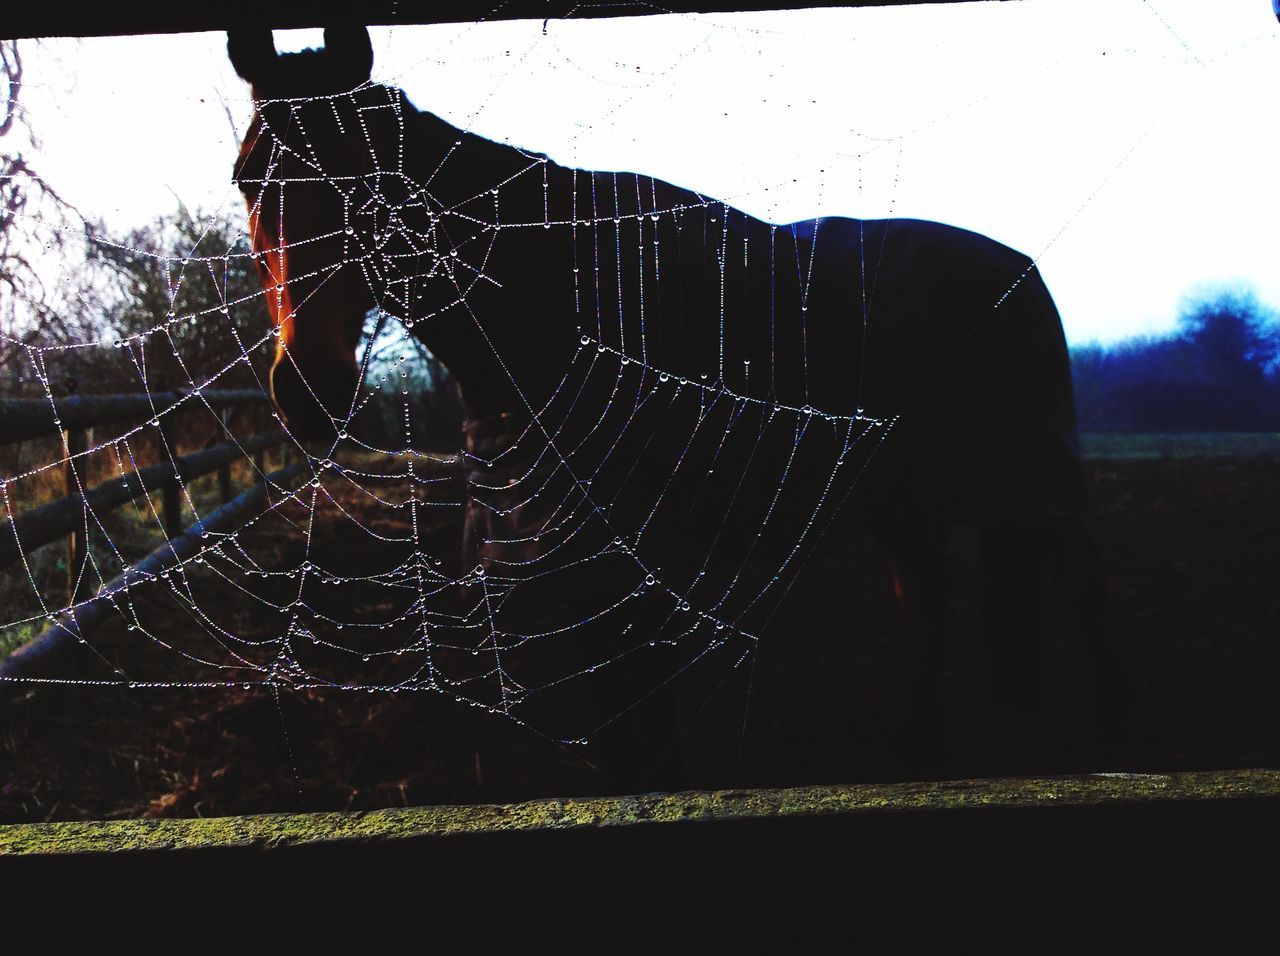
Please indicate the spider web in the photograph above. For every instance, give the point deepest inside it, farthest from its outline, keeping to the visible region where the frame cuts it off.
(562, 542)
(642, 511)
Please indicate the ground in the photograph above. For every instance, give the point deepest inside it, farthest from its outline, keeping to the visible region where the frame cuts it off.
(1189, 546)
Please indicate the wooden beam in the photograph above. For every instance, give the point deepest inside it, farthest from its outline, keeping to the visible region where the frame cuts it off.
(284, 831)
(23, 418)
(154, 16)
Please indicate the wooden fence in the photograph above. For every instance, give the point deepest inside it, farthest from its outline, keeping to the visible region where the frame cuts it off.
(1089, 864)
(71, 516)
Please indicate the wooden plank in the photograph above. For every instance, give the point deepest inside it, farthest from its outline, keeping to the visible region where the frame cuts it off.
(153, 16)
(1142, 877)
(278, 831)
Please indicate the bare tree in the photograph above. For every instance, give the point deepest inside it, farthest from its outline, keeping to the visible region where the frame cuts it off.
(36, 225)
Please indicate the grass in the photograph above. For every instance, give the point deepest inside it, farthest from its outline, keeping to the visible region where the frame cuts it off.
(1140, 446)
(14, 636)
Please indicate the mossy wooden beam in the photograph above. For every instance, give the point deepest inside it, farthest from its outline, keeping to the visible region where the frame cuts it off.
(273, 831)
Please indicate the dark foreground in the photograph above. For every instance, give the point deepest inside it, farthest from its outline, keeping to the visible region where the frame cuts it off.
(1067, 865)
(1190, 551)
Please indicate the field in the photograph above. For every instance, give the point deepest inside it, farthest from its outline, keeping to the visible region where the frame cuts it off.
(1134, 446)
(1188, 526)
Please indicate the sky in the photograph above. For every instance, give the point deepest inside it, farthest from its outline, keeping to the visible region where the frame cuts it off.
(1129, 146)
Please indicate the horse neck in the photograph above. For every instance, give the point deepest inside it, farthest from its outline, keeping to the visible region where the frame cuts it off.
(500, 346)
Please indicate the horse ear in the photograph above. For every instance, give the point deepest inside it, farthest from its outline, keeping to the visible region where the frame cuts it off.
(351, 48)
(252, 53)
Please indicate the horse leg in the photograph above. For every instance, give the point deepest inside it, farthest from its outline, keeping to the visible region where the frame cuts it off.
(921, 584)
(1013, 560)
(1078, 564)
(633, 701)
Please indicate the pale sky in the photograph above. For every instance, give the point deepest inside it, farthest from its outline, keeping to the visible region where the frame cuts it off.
(1131, 146)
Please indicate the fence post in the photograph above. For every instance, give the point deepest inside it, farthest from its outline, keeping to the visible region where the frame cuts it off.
(172, 492)
(77, 547)
(224, 471)
(260, 456)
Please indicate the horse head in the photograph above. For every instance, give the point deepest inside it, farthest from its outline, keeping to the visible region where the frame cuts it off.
(305, 178)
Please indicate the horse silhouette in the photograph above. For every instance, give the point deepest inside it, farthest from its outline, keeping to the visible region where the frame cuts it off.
(667, 401)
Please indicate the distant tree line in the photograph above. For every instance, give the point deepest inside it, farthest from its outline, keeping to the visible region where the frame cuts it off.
(1218, 371)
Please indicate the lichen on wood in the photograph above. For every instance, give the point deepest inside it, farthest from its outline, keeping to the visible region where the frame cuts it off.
(274, 831)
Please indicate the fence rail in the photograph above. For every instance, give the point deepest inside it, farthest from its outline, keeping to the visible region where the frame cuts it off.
(283, 831)
(1114, 863)
(154, 16)
(73, 515)
(39, 526)
(35, 658)
(25, 418)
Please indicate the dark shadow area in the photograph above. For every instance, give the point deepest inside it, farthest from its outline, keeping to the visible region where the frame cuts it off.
(1057, 880)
